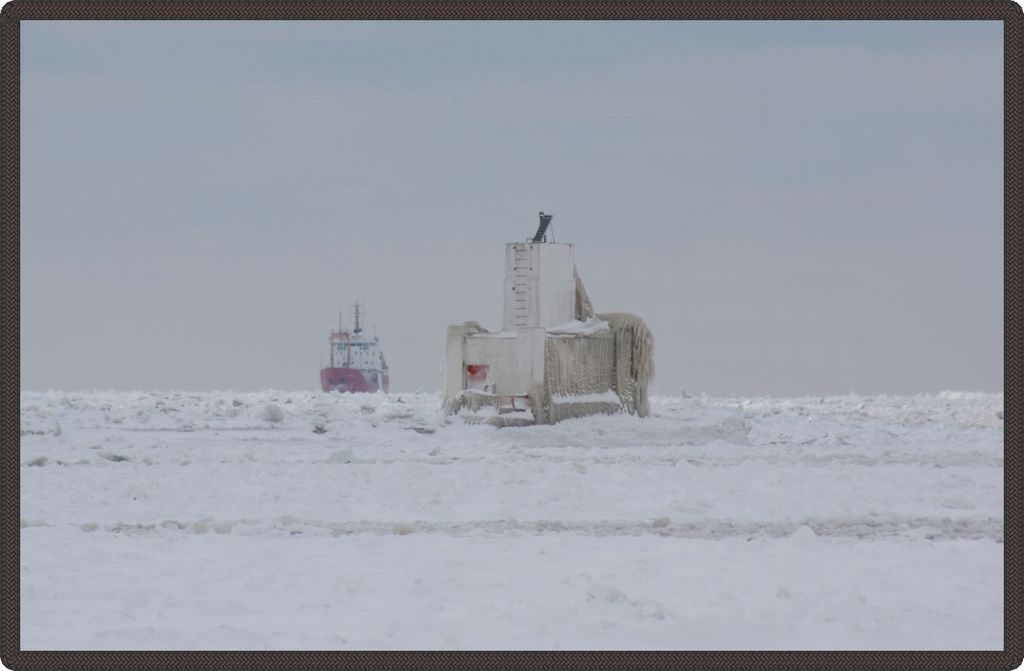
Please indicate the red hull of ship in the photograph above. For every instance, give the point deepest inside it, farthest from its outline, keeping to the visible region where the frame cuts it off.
(351, 380)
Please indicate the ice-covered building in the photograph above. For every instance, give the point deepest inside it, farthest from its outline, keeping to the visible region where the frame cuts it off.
(554, 357)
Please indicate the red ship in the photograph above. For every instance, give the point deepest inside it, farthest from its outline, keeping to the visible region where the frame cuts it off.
(357, 363)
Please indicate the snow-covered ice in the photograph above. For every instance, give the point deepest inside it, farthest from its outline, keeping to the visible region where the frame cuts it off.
(608, 396)
(301, 520)
(589, 327)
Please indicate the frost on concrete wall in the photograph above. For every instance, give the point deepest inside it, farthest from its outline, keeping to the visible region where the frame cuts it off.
(577, 368)
(575, 365)
(634, 360)
(620, 360)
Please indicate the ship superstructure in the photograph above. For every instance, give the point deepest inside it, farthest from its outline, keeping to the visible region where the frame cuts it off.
(356, 361)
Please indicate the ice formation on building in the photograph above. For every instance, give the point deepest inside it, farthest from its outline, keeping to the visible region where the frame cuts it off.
(554, 358)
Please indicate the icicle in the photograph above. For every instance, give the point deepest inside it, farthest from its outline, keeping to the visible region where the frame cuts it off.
(634, 360)
(584, 308)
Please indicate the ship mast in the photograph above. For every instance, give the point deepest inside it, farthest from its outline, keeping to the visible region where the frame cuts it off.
(357, 329)
(335, 337)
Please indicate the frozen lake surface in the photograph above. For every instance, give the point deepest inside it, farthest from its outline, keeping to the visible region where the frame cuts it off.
(301, 520)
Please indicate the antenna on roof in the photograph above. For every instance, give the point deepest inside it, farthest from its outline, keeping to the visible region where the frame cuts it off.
(541, 234)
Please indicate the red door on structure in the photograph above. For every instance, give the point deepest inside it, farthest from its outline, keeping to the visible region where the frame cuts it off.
(476, 376)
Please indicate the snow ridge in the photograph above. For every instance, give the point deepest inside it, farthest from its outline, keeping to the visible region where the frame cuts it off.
(185, 520)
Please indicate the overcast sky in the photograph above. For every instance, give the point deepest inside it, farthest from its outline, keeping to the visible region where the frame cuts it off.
(793, 207)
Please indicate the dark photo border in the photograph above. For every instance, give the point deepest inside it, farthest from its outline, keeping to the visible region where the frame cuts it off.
(1009, 13)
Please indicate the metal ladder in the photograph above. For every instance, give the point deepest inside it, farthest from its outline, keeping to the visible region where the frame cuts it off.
(521, 270)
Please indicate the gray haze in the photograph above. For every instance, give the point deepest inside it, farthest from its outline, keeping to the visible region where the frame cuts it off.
(794, 208)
